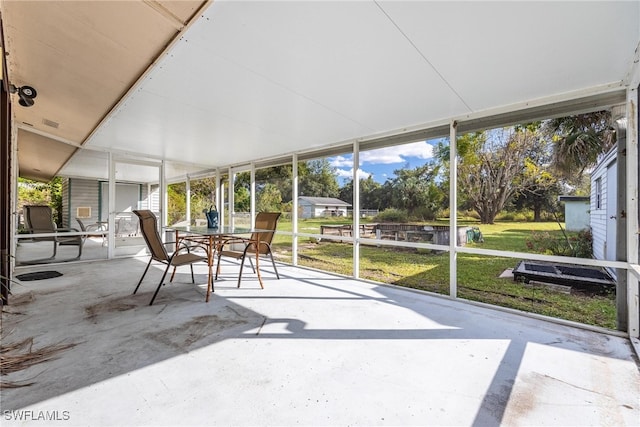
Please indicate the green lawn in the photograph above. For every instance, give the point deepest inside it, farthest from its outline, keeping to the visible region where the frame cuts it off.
(477, 276)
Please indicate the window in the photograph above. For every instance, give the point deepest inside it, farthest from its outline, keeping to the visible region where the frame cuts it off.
(598, 193)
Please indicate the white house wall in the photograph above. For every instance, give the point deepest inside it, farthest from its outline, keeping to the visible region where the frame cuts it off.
(80, 193)
(598, 219)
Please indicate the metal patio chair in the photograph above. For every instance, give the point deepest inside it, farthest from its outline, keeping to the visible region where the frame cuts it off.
(258, 244)
(93, 227)
(39, 219)
(149, 228)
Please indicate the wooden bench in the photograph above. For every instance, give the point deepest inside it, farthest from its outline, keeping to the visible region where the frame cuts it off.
(336, 230)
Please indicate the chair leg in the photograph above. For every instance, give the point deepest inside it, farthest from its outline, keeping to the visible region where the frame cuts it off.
(274, 265)
(218, 267)
(241, 266)
(252, 266)
(80, 244)
(193, 279)
(160, 284)
(173, 274)
(143, 274)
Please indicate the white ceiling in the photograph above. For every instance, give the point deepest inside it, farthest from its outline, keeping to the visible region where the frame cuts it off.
(257, 80)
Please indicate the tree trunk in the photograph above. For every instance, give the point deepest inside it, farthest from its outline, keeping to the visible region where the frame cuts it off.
(537, 212)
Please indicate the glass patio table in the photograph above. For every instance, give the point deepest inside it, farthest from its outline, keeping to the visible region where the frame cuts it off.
(210, 239)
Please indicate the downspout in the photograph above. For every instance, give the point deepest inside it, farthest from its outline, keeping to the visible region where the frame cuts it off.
(633, 215)
(619, 122)
(6, 192)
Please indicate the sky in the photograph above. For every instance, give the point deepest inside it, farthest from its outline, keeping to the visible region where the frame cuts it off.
(382, 162)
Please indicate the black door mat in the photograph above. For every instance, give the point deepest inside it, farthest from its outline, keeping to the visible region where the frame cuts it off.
(38, 275)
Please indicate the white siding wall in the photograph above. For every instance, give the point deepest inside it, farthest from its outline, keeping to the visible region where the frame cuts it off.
(576, 215)
(151, 201)
(321, 211)
(80, 193)
(86, 193)
(598, 220)
(305, 209)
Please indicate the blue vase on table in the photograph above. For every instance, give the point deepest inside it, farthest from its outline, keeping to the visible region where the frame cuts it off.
(212, 218)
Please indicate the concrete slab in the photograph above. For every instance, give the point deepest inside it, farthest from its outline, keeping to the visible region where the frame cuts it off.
(309, 349)
(29, 252)
(507, 274)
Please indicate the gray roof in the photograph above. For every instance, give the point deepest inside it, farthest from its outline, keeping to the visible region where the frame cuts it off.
(573, 198)
(332, 201)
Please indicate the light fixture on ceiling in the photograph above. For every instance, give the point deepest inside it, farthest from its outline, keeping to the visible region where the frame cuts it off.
(25, 93)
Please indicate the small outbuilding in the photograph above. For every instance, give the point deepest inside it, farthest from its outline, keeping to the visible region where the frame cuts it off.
(576, 212)
(322, 207)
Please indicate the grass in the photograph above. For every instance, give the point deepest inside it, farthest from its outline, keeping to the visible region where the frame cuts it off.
(477, 276)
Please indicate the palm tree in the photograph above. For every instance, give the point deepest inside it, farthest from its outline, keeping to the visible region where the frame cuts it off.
(579, 140)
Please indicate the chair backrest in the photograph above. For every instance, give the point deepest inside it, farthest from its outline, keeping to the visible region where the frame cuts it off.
(81, 224)
(39, 219)
(265, 221)
(149, 227)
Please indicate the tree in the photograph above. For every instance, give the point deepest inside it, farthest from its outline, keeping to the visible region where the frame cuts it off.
(491, 168)
(278, 176)
(176, 202)
(579, 140)
(42, 193)
(416, 191)
(269, 199)
(318, 179)
(541, 194)
(542, 186)
(242, 200)
(203, 196)
(370, 193)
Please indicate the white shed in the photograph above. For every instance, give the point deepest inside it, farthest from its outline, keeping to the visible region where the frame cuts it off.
(319, 207)
(576, 212)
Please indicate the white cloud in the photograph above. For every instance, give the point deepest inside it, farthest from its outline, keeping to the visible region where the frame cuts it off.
(398, 154)
(348, 174)
(387, 155)
(341, 162)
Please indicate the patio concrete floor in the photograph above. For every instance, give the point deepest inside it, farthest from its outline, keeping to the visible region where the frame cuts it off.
(309, 349)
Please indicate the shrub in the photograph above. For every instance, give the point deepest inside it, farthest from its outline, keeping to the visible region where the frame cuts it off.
(576, 245)
(392, 215)
(470, 213)
(517, 216)
(424, 213)
(582, 243)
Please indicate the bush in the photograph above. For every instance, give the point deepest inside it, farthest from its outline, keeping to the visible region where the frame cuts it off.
(469, 214)
(392, 215)
(424, 213)
(576, 245)
(582, 244)
(518, 216)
